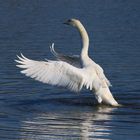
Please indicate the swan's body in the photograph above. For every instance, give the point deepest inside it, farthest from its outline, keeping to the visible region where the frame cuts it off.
(73, 72)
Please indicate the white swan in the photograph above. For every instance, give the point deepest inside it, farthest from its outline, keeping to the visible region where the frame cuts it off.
(64, 72)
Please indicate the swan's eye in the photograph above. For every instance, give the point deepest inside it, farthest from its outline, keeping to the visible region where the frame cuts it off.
(69, 21)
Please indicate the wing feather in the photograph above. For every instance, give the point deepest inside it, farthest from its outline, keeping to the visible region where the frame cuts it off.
(102, 76)
(73, 59)
(54, 72)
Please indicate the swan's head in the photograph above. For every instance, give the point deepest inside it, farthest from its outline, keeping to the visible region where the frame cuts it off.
(73, 22)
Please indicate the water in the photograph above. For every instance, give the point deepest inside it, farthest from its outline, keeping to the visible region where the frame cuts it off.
(35, 111)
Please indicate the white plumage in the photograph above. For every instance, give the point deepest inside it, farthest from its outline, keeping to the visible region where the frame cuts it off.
(73, 72)
(55, 73)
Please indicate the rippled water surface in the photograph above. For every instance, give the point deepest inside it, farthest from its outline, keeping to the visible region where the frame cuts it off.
(30, 110)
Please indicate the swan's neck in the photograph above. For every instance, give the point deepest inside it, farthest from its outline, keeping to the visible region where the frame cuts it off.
(85, 40)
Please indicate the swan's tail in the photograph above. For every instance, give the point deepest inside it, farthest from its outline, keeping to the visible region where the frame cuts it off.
(103, 95)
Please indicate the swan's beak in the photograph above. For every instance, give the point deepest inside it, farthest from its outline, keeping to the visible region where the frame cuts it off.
(67, 23)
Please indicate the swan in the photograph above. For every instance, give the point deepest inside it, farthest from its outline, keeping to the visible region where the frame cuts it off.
(72, 72)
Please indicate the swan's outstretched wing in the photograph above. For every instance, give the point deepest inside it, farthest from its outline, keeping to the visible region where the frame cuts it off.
(73, 60)
(102, 76)
(55, 73)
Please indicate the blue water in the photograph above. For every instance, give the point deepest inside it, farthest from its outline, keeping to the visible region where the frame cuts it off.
(35, 111)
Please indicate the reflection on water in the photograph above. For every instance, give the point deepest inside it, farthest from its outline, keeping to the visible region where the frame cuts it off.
(96, 124)
(68, 125)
